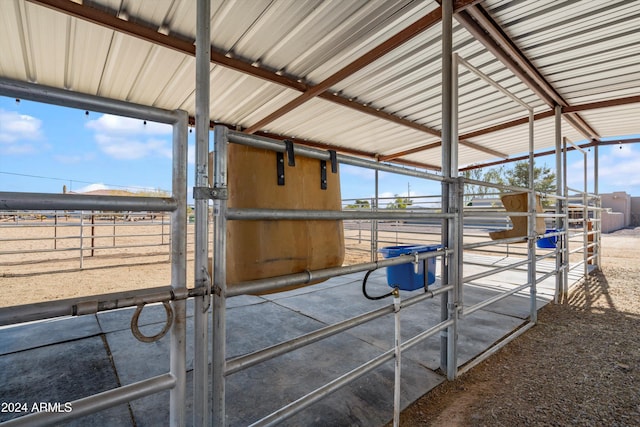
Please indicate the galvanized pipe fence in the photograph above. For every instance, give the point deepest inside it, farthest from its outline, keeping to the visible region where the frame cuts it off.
(48, 237)
(173, 297)
(223, 367)
(211, 293)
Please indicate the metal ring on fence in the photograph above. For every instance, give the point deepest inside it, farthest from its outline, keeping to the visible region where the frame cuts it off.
(135, 329)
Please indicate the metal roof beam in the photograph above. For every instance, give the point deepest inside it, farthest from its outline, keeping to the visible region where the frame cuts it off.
(478, 22)
(602, 104)
(463, 142)
(377, 52)
(517, 122)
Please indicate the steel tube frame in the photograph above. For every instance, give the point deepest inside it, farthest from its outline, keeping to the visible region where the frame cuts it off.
(448, 303)
(176, 204)
(314, 153)
(178, 338)
(374, 223)
(565, 241)
(94, 304)
(221, 290)
(274, 214)
(48, 201)
(532, 214)
(67, 98)
(272, 284)
(201, 409)
(494, 242)
(219, 337)
(559, 210)
(493, 185)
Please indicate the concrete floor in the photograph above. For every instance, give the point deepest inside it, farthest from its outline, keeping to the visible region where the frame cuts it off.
(65, 359)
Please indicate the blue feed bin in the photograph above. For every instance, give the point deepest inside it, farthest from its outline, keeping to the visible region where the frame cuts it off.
(548, 242)
(404, 276)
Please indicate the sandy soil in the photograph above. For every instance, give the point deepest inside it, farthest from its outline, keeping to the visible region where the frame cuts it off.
(31, 271)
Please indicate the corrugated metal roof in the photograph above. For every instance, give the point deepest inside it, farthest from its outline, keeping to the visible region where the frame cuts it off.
(589, 50)
(586, 50)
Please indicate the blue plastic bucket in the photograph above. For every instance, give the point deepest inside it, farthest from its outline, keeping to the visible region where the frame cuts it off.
(548, 242)
(404, 276)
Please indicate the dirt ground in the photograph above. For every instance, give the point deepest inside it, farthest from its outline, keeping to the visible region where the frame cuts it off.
(579, 366)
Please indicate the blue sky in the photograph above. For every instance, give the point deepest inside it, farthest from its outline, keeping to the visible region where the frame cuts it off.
(44, 147)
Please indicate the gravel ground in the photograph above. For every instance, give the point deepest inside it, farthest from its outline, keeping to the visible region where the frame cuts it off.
(579, 366)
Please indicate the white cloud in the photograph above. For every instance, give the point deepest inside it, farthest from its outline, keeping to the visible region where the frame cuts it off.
(125, 148)
(124, 138)
(110, 124)
(14, 129)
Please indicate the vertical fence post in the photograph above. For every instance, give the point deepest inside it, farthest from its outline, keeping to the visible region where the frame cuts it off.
(219, 338)
(162, 229)
(93, 233)
(81, 239)
(178, 339)
(55, 231)
(374, 226)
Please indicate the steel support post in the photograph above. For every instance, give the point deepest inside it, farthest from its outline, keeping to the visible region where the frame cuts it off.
(201, 408)
(560, 223)
(454, 232)
(178, 343)
(585, 210)
(531, 243)
(447, 143)
(565, 247)
(598, 213)
(219, 339)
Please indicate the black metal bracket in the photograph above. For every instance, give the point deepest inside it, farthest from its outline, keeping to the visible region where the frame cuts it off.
(333, 157)
(323, 174)
(280, 167)
(290, 154)
(210, 193)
